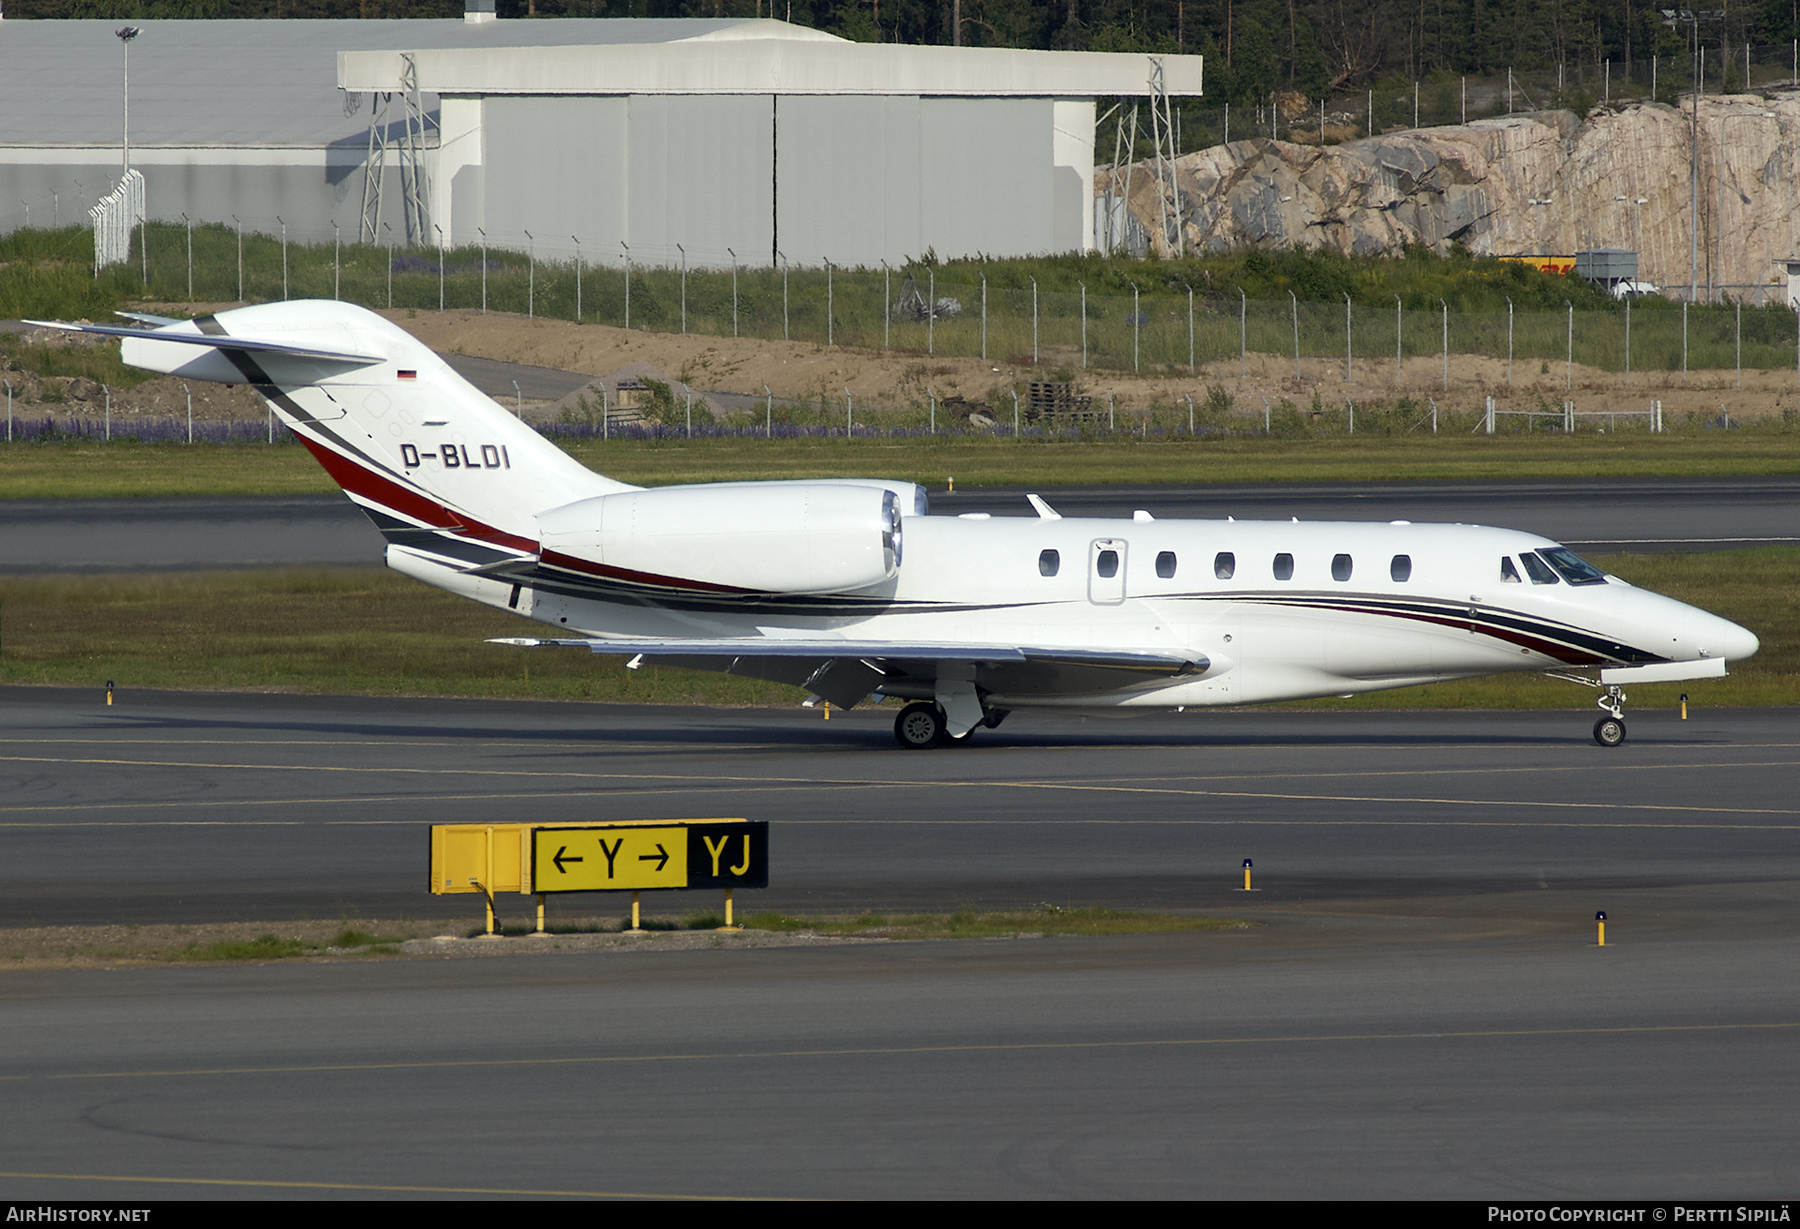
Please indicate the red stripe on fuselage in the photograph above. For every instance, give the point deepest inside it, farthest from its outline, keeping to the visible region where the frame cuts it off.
(1549, 648)
(360, 480)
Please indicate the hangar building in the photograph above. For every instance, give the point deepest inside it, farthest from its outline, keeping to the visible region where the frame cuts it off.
(752, 140)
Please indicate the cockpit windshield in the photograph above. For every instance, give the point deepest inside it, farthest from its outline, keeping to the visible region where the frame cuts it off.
(1574, 569)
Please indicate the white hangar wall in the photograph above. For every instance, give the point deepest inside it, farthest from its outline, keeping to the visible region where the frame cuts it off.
(722, 136)
(852, 180)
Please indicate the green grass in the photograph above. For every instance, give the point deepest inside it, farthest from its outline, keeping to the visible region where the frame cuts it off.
(267, 947)
(48, 275)
(126, 469)
(99, 363)
(270, 947)
(374, 632)
(361, 631)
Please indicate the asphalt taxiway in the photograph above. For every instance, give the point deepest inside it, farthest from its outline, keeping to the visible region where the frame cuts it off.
(1420, 1010)
(181, 807)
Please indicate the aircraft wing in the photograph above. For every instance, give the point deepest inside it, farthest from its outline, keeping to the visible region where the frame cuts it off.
(845, 671)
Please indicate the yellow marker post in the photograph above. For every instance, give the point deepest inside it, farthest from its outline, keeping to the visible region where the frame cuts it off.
(828, 710)
(952, 483)
(540, 931)
(1684, 706)
(1247, 886)
(729, 924)
(636, 927)
(1600, 920)
(109, 686)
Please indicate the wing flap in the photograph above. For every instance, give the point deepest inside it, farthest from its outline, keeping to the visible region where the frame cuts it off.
(1172, 662)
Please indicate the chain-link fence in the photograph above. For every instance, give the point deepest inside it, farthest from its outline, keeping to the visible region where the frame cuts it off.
(1149, 330)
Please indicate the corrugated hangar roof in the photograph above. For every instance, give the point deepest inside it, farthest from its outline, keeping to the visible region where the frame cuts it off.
(250, 83)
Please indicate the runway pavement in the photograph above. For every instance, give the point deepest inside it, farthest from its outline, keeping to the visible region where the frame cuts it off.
(1601, 515)
(1420, 1010)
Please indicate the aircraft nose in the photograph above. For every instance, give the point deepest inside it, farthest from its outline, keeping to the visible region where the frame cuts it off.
(1732, 642)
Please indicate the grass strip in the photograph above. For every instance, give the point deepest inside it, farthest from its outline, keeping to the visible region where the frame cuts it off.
(369, 631)
(249, 942)
(87, 470)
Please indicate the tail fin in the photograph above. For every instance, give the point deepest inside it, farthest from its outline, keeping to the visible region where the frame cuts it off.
(436, 464)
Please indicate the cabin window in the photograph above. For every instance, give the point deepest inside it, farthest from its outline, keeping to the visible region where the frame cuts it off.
(1224, 565)
(1574, 569)
(1537, 569)
(1106, 564)
(1284, 566)
(1341, 566)
(1508, 573)
(1048, 562)
(1400, 569)
(1165, 564)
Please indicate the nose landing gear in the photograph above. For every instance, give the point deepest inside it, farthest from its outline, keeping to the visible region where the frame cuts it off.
(1609, 731)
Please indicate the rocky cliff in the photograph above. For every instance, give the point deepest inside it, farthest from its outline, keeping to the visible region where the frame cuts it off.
(1474, 184)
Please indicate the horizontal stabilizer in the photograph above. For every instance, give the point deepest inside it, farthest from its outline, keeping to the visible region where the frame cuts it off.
(215, 342)
(872, 650)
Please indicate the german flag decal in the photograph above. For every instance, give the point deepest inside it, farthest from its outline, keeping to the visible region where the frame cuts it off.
(407, 373)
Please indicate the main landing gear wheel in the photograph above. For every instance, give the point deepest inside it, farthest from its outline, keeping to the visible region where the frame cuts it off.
(919, 726)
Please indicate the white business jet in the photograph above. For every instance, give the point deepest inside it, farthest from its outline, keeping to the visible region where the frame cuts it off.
(848, 589)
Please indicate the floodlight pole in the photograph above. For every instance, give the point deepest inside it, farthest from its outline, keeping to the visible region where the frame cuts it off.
(983, 277)
(189, 223)
(1034, 328)
(1134, 327)
(483, 235)
(1083, 286)
(1569, 368)
(284, 277)
(734, 301)
(1190, 291)
(830, 305)
(125, 35)
(440, 235)
(1509, 340)
(1243, 334)
(577, 277)
(1294, 304)
(531, 277)
(627, 248)
(1399, 323)
(887, 303)
(1348, 360)
(683, 252)
(336, 248)
(784, 293)
(390, 262)
(1446, 308)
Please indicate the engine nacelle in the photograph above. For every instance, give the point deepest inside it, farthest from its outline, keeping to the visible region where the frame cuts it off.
(781, 537)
